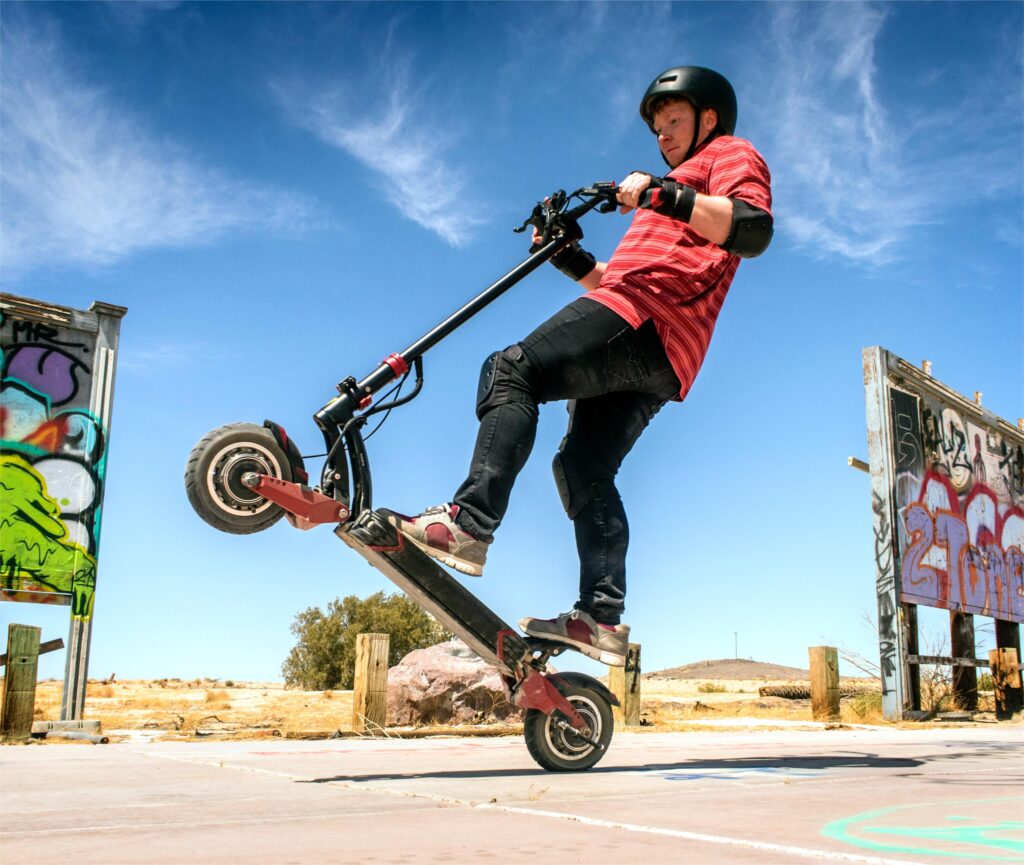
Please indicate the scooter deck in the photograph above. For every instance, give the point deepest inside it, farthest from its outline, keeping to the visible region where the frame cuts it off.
(438, 592)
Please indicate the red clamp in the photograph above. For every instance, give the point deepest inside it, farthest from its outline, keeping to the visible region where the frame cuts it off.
(397, 363)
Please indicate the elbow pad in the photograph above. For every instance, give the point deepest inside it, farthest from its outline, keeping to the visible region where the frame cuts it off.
(751, 232)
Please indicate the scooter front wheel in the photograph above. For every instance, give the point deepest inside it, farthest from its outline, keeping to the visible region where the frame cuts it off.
(558, 747)
(214, 472)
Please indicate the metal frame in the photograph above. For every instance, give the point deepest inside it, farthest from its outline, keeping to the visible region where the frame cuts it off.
(885, 374)
(102, 322)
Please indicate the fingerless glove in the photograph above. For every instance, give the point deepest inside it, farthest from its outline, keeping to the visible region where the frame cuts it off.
(574, 261)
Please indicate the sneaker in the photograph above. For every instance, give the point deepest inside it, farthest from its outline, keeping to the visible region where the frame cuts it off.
(604, 643)
(437, 534)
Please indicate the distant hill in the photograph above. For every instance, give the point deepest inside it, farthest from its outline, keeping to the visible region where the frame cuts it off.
(731, 668)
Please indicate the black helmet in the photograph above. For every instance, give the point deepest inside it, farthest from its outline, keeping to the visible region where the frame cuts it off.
(702, 88)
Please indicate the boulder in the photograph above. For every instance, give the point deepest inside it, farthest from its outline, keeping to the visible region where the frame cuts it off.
(446, 684)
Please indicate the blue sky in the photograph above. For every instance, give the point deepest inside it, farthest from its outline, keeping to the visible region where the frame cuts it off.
(283, 194)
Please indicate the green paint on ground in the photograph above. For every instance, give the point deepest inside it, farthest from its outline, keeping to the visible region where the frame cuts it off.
(991, 837)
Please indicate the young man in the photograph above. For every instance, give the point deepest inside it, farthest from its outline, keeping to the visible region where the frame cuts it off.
(635, 341)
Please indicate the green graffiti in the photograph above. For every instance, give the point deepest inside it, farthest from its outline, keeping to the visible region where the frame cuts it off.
(35, 553)
(988, 836)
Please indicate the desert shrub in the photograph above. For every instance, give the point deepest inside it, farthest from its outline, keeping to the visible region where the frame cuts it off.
(867, 705)
(229, 684)
(711, 688)
(324, 655)
(985, 682)
(105, 691)
(215, 696)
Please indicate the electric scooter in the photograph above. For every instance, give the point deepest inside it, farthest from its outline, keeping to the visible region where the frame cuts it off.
(242, 478)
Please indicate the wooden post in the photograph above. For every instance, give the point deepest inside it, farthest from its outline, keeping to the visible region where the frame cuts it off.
(370, 692)
(1006, 682)
(20, 682)
(912, 695)
(824, 682)
(1008, 635)
(624, 683)
(965, 679)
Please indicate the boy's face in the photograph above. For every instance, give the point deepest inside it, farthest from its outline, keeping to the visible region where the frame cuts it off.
(673, 123)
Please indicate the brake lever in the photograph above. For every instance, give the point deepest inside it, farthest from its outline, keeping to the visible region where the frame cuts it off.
(544, 217)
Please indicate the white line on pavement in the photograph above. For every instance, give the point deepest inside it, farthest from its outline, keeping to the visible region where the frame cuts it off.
(802, 852)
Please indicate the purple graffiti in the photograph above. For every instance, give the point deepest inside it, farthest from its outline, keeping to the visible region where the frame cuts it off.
(50, 371)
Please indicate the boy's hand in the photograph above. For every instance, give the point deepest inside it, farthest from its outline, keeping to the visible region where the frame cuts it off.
(631, 190)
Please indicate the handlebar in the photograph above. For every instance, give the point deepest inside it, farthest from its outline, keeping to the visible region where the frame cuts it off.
(553, 219)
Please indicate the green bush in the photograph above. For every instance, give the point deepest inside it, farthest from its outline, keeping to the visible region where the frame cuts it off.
(985, 682)
(324, 655)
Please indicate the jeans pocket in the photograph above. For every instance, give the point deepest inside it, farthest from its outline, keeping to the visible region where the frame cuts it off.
(626, 363)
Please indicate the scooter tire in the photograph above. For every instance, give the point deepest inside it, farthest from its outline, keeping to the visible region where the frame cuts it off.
(213, 478)
(560, 750)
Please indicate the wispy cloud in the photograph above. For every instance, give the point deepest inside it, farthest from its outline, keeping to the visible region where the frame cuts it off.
(855, 173)
(85, 182)
(405, 150)
(152, 357)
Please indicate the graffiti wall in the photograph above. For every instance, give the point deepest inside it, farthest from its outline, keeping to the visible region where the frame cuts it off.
(959, 491)
(52, 462)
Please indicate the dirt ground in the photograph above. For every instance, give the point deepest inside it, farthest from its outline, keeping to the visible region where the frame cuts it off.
(710, 691)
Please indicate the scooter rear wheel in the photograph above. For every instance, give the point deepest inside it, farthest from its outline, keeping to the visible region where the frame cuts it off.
(213, 478)
(560, 749)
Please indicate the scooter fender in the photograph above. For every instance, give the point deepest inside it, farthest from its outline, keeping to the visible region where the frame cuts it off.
(561, 680)
(295, 461)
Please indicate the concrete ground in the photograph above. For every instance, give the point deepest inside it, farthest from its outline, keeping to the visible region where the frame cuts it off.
(774, 796)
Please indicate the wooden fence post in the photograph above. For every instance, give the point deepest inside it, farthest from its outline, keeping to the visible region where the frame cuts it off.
(624, 683)
(1006, 682)
(961, 643)
(824, 682)
(370, 691)
(20, 682)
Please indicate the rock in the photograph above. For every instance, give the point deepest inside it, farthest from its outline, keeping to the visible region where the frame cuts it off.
(446, 684)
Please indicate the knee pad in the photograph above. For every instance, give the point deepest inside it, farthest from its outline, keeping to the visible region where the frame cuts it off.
(574, 489)
(502, 380)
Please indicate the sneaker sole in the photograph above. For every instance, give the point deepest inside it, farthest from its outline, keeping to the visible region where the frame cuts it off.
(610, 659)
(461, 565)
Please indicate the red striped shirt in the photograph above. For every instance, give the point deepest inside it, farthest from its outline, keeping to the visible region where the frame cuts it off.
(665, 271)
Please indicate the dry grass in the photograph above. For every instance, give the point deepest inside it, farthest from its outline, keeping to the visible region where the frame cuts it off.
(205, 707)
(712, 688)
(183, 708)
(673, 704)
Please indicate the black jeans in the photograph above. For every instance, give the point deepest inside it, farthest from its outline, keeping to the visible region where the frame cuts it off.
(617, 379)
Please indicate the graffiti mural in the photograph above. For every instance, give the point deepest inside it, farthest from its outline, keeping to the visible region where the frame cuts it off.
(52, 465)
(959, 491)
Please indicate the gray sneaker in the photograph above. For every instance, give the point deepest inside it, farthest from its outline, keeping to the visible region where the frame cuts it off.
(437, 534)
(603, 643)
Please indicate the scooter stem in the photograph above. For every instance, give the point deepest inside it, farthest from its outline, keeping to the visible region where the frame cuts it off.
(343, 407)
